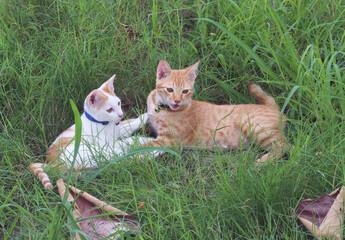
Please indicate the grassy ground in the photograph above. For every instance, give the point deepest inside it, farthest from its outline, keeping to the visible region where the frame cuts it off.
(53, 51)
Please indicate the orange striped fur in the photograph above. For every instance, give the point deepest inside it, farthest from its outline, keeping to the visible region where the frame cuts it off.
(53, 153)
(38, 170)
(191, 123)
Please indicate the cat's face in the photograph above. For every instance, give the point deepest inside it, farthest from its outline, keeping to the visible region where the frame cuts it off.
(175, 87)
(103, 104)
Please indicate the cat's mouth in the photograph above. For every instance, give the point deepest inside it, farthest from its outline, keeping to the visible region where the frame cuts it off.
(117, 123)
(174, 106)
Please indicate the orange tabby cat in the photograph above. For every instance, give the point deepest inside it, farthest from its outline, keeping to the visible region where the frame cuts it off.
(179, 120)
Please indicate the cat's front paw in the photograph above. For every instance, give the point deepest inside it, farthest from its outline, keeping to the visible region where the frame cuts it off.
(144, 118)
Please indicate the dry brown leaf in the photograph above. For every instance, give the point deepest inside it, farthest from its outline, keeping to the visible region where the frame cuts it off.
(323, 217)
(87, 206)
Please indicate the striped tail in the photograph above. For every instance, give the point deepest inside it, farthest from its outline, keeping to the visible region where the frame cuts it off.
(261, 96)
(38, 171)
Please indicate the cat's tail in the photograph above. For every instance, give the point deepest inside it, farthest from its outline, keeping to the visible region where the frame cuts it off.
(261, 96)
(38, 170)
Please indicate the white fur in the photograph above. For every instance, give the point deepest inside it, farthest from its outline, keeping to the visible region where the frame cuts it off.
(100, 140)
(103, 140)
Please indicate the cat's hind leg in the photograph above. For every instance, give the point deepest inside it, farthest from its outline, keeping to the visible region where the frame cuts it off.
(274, 142)
(278, 149)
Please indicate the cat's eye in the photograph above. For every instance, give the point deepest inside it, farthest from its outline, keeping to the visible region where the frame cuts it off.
(119, 103)
(110, 110)
(185, 91)
(170, 89)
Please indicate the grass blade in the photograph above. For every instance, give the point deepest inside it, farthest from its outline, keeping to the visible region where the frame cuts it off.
(132, 153)
(263, 66)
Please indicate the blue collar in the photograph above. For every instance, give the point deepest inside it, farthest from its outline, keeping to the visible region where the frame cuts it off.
(88, 116)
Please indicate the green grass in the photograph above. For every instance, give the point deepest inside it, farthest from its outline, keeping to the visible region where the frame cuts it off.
(54, 51)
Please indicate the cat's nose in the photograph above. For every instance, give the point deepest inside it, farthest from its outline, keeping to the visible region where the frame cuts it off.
(120, 115)
(177, 101)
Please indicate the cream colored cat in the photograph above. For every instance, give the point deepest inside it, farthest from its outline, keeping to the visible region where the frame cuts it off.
(102, 134)
(181, 121)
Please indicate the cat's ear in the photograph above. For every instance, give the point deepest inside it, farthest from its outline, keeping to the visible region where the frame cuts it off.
(192, 71)
(94, 99)
(108, 86)
(163, 70)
